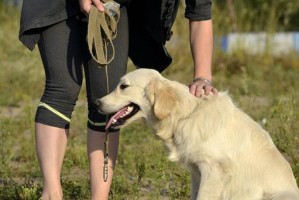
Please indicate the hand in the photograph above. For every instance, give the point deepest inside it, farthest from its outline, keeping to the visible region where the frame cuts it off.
(200, 84)
(85, 5)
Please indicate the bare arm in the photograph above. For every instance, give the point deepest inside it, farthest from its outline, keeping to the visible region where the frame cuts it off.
(201, 43)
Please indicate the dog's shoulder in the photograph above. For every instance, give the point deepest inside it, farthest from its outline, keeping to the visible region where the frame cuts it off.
(220, 101)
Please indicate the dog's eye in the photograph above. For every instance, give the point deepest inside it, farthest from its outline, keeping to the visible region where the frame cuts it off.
(123, 86)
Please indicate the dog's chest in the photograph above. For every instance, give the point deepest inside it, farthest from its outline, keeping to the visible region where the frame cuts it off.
(188, 150)
(193, 148)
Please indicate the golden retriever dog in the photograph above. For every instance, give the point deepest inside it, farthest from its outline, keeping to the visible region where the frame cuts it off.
(230, 156)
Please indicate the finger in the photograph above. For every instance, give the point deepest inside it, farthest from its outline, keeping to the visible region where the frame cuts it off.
(192, 89)
(99, 5)
(214, 91)
(198, 91)
(196, 88)
(85, 7)
(207, 89)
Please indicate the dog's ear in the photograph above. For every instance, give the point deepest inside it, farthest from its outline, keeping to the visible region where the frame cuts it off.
(164, 101)
(150, 90)
(162, 97)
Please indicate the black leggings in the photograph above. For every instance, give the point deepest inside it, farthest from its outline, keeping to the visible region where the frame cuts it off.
(64, 53)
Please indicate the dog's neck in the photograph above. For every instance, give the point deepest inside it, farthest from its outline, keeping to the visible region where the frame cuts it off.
(189, 106)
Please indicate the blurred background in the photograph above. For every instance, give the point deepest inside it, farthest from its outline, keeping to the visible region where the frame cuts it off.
(256, 59)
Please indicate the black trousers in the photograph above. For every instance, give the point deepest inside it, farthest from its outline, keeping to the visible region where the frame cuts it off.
(66, 59)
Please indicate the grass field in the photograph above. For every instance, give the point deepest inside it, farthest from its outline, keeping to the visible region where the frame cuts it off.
(265, 87)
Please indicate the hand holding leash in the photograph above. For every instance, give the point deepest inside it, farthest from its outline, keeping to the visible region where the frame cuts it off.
(85, 5)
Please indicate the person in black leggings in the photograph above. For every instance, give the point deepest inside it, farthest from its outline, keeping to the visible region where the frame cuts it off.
(59, 28)
(64, 52)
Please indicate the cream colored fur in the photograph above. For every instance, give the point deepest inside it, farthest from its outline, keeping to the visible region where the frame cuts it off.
(230, 156)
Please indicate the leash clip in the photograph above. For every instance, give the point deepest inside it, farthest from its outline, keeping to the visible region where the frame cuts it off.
(105, 169)
(112, 8)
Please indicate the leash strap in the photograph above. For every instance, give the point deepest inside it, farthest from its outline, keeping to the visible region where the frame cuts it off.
(106, 143)
(102, 29)
(106, 157)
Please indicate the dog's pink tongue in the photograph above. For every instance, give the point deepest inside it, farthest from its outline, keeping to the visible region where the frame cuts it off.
(115, 117)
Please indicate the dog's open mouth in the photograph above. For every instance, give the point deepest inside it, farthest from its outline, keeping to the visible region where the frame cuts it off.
(120, 117)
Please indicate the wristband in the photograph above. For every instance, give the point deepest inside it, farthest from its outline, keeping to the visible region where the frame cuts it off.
(206, 81)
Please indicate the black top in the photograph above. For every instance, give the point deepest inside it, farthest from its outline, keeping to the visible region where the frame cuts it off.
(41, 13)
(150, 23)
(198, 9)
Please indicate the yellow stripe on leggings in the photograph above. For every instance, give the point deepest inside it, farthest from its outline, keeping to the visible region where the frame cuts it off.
(55, 111)
(97, 123)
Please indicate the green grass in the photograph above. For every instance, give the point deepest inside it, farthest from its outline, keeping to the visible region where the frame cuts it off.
(265, 87)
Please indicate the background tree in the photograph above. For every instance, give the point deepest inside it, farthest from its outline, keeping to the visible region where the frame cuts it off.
(256, 15)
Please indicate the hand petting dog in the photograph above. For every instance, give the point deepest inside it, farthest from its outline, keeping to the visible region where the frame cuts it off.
(200, 86)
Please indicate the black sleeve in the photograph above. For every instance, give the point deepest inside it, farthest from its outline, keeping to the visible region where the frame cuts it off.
(198, 9)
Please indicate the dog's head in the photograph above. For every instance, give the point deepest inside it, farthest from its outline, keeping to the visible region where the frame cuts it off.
(143, 93)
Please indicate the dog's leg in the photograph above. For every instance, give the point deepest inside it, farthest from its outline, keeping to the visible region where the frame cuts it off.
(285, 196)
(211, 184)
(195, 178)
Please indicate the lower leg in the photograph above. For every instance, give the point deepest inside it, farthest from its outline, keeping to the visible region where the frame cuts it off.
(99, 188)
(50, 147)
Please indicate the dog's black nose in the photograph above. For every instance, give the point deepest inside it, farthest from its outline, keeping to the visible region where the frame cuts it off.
(97, 103)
